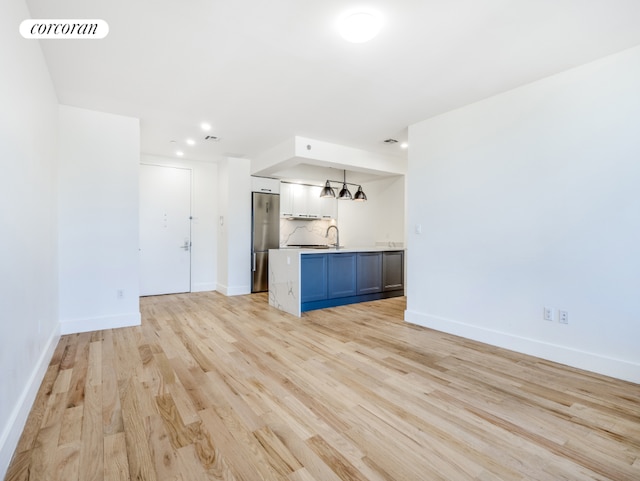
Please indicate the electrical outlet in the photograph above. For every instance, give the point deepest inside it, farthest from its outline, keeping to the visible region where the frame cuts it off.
(548, 314)
(120, 293)
(563, 317)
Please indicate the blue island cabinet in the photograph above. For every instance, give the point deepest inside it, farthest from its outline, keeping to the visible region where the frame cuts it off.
(336, 279)
(313, 277)
(342, 275)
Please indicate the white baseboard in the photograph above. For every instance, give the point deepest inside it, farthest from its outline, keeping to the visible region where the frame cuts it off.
(15, 423)
(203, 287)
(589, 361)
(75, 326)
(233, 290)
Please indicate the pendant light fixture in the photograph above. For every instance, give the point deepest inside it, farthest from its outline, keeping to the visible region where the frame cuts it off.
(344, 194)
(360, 195)
(328, 191)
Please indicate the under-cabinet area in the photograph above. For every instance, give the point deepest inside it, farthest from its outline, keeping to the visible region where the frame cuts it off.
(302, 280)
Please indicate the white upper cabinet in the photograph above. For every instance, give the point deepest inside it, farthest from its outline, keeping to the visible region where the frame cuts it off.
(266, 185)
(286, 200)
(297, 200)
(314, 207)
(300, 200)
(328, 207)
(293, 200)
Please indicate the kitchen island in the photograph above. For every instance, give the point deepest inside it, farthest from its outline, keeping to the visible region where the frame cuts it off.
(306, 279)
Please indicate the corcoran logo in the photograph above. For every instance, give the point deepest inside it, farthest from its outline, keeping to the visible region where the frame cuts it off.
(64, 29)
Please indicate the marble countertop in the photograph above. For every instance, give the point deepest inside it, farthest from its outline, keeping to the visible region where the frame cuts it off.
(333, 250)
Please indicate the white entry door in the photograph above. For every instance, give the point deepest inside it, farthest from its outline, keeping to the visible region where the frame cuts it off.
(165, 230)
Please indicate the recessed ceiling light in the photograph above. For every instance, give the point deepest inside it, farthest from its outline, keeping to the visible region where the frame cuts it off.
(359, 26)
(404, 145)
(179, 153)
(205, 126)
(191, 142)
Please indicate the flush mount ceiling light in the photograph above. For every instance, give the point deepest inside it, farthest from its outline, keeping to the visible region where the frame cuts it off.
(205, 126)
(344, 194)
(359, 26)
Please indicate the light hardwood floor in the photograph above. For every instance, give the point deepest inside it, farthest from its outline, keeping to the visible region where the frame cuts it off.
(214, 387)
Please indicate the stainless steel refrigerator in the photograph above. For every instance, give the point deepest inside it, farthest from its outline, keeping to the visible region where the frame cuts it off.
(265, 235)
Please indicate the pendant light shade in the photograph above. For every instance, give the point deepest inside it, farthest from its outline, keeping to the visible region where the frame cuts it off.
(360, 195)
(344, 193)
(327, 191)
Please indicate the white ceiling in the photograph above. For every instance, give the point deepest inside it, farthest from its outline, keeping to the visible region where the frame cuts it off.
(262, 71)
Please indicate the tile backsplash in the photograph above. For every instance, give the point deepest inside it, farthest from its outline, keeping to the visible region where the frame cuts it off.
(298, 232)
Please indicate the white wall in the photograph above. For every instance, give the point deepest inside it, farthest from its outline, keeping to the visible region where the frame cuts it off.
(28, 254)
(98, 220)
(531, 199)
(234, 227)
(379, 220)
(204, 210)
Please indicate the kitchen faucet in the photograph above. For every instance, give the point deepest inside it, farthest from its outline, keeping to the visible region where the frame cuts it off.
(337, 235)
